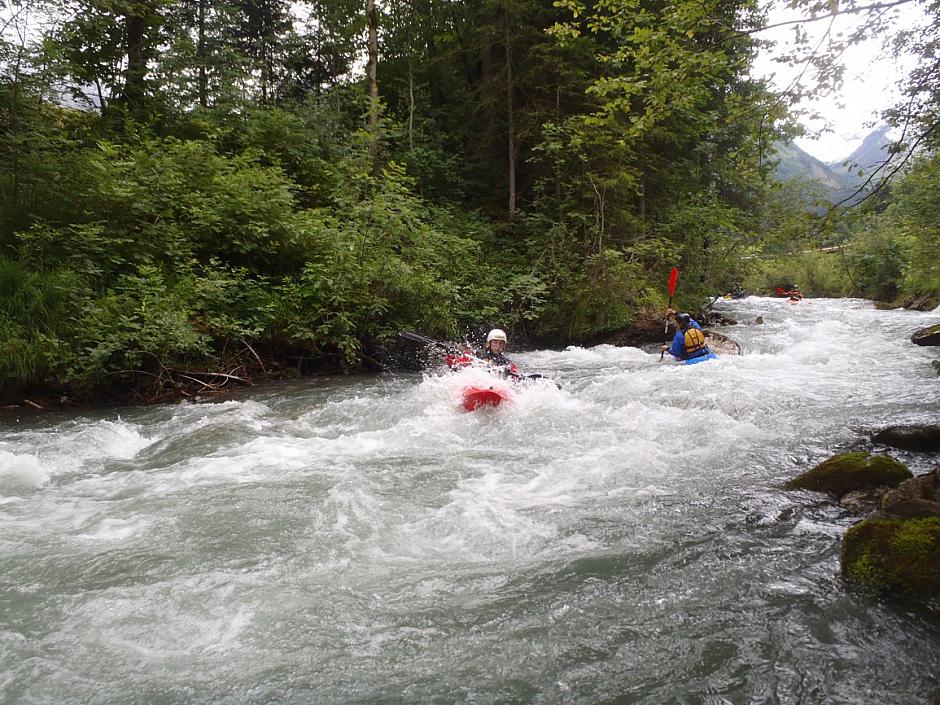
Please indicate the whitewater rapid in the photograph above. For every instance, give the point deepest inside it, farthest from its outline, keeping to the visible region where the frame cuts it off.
(623, 538)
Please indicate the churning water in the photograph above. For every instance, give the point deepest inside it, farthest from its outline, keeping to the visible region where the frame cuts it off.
(623, 539)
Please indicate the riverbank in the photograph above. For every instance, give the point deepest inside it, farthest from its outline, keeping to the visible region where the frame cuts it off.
(257, 367)
(170, 385)
(254, 367)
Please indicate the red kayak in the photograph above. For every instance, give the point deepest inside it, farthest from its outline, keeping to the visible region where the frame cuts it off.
(474, 397)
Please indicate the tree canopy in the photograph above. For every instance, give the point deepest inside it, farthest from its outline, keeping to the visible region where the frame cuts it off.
(198, 186)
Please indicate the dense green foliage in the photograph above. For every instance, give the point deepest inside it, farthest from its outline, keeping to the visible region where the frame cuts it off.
(205, 185)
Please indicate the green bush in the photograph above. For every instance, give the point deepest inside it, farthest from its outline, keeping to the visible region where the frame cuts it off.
(36, 311)
(816, 273)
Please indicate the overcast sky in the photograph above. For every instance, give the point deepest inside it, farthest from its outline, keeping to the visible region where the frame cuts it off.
(871, 77)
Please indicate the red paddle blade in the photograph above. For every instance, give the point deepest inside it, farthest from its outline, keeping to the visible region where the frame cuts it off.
(673, 277)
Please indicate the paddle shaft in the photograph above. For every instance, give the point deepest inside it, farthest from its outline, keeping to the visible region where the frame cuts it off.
(662, 353)
(673, 278)
(423, 339)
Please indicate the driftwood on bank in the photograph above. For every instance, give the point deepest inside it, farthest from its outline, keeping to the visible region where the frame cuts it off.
(169, 382)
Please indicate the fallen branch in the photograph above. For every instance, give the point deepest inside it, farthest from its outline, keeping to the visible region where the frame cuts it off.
(183, 373)
(206, 385)
(258, 358)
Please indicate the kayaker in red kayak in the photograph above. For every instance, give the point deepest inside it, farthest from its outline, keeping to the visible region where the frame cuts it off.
(493, 355)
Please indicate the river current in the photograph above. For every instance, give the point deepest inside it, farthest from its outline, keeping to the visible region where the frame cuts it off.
(622, 539)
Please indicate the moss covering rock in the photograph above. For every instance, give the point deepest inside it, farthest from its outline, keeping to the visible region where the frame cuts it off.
(894, 555)
(848, 472)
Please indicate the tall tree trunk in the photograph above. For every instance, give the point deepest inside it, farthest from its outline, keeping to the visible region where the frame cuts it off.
(373, 22)
(135, 75)
(487, 83)
(265, 70)
(201, 54)
(641, 198)
(411, 102)
(15, 215)
(561, 215)
(510, 126)
(410, 48)
(103, 102)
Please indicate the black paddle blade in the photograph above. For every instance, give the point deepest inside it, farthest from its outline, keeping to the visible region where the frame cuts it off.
(424, 340)
(415, 337)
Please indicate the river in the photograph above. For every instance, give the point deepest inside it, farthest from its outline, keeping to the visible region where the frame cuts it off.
(622, 539)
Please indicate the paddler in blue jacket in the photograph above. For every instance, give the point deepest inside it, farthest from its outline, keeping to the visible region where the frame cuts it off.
(689, 341)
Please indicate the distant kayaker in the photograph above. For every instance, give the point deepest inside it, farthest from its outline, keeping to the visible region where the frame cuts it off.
(494, 354)
(689, 341)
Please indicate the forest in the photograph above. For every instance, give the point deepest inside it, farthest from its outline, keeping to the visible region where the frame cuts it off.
(202, 190)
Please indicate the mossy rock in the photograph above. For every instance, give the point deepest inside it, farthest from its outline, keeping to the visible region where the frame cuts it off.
(899, 556)
(848, 472)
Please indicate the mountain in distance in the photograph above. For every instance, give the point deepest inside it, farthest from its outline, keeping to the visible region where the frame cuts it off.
(838, 180)
(867, 157)
(795, 163)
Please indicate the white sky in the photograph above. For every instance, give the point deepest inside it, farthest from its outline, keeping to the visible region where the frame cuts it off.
(871, 76)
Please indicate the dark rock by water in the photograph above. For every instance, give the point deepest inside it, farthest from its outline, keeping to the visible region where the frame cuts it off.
(647, 327)
(923, 438)
(848, 472)
(927, 336)
(714, 318)
(914, 498)
(722, 344)
(894, 555)
(866, 501)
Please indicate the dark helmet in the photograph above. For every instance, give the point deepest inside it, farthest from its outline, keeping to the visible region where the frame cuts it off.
(683, 320)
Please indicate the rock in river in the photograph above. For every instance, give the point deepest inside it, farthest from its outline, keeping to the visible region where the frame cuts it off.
(848, 472)
(927, 336)
(923, 438)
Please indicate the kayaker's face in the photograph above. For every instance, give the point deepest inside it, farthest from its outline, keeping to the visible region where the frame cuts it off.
(497, 346)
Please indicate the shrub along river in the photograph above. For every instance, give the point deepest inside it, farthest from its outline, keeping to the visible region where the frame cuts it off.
(623, 539)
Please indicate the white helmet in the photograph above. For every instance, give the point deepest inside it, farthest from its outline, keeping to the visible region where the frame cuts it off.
(496, 334)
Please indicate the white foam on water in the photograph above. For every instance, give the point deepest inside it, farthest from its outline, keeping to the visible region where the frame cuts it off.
(74, 446)
(137, 626)
(20, 472)
(249, 415)
(112, 530)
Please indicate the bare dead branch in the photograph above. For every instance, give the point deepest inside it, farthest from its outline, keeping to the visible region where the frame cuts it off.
(258, 358)
(222, 375)
(806, 20)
